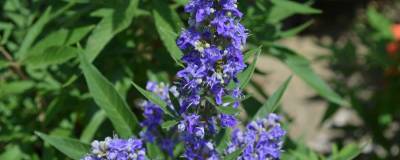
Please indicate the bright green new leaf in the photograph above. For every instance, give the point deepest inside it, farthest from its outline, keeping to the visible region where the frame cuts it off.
(108, 99)
(71, 147)
(273, 101)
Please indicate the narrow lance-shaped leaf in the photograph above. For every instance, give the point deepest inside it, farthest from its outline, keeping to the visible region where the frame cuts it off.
(273, 101)
(154, 99)
(94, 124)
(111, 24)
(282, 9)
(71, 147)
(108, 99)
(301, 67)
(295, 30)
(250, 53)
(168, 36)
(34, 32)
(223, 139)
(245, 76)
(349, 152)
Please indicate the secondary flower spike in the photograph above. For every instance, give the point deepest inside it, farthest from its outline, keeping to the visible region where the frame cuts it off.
(213, 46)
(115, 148)
(262, 139)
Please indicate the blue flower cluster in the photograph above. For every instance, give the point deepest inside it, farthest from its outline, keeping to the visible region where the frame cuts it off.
(262, 139)
(117, 149)
(213, 46)
(213, 58)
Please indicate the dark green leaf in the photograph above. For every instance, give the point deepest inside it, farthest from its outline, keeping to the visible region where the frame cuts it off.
(167, 35)
(52, 55)
(70, 147)
(111, 24)
(94, 124)
(108, 99)
(273, 101)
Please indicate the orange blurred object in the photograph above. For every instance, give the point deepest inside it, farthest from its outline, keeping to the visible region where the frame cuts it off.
(392, 48)
(396, 31)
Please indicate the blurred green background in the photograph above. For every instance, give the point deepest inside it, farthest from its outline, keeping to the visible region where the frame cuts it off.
(344, 98)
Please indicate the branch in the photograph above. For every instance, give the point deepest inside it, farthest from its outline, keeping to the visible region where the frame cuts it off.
(15, 67)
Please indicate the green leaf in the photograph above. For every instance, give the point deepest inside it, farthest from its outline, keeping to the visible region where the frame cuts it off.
(379, 22)
(16, 87)
(154, 99)
(295, 30)
(154, 152)
(349, 152)
(234, 155)
(250, 53)
(301, 67)
(51, 56)
(169, 124)
(11, 152)
(285, 8)
(78, 34)
(167, 34)
(273, 101)
(108, 99)
(223, 139)
(34, 32)
(227, 110)
(94, 124)
(70, 147)
(245, 76)
(111, 24)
